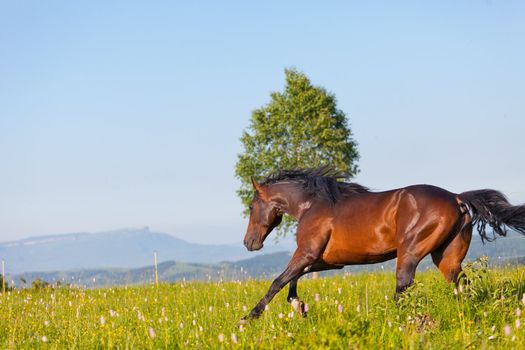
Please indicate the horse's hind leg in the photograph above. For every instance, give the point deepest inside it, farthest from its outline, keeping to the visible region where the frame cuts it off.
(448, 257)
(405, 271)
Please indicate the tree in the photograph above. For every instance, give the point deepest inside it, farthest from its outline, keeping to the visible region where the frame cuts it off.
(300, 127)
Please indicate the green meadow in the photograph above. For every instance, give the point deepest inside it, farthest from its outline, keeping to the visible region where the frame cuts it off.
(345, 311)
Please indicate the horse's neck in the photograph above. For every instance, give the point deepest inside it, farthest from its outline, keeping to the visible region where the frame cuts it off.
(294, 202)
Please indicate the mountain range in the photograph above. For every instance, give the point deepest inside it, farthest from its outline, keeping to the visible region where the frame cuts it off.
(125, 248)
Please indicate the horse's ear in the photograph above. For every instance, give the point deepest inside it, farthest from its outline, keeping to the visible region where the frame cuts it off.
(256, 186)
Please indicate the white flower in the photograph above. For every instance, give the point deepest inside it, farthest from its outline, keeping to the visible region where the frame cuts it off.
(507, 330)
(151, 333)
(44, 339)
(234, 338)
(221, 337)
(102, 320)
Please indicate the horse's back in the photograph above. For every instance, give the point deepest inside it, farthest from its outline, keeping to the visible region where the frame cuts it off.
(367, 227)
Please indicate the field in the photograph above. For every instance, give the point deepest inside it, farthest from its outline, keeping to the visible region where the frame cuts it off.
(350, 311)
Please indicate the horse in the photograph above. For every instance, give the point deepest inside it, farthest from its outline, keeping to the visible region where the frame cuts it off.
(342, 223)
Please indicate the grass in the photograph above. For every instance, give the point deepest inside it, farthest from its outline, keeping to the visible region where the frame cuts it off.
(351, 311)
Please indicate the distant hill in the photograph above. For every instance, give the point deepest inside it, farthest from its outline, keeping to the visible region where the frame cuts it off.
(262, 266)
(126, 248)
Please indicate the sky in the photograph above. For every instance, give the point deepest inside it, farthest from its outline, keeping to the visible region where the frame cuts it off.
(126, 114)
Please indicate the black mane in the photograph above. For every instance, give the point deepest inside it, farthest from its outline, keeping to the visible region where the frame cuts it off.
(324, 182)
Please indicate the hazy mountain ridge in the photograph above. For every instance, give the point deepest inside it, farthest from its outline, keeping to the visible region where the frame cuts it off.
(262, 266)
(126, 248)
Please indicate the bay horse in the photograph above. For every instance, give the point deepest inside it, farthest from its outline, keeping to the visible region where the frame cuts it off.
(342, 223)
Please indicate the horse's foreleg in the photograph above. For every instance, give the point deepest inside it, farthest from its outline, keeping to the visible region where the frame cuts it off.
(293, 298)
(294, 269)
(292, 291)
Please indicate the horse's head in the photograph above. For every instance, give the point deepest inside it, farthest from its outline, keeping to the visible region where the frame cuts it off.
(265, 215)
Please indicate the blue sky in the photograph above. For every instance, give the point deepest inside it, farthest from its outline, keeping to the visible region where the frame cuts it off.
(125, 114)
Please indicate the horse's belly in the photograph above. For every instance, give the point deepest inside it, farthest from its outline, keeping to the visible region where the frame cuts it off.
(355, 248)
(345, 257)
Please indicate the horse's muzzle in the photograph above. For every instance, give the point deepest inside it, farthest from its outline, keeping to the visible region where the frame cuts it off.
(252, 244)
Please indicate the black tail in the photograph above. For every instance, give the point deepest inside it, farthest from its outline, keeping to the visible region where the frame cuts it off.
(492, 207)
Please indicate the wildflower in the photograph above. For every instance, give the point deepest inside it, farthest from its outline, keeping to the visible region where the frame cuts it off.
(46, 323)
(210, 309)
(181, 325)
(227, 305)
(507, 330)
(306, 308)
(289, 334)
(221, 337)
(493, 329)
(389, 324)
(340, 308)
(102, 320)
(518, 323)
(200, 329)
(241, 328)
(318, 298)
(339, 290)
(151, 333)
(280, 315)
(112, 313)
(518, 312)
(290, 314)
(194, 322)
(44, 339)
(485, 314)
(491, 337)
(358, 308)
(244, 308)
(386, 297)
(234, 338)
(455, 291)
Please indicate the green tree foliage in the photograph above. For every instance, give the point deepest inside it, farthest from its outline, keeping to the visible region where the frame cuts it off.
(300, 127)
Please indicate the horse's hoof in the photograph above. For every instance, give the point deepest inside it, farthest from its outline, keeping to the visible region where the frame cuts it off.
(299, 307)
